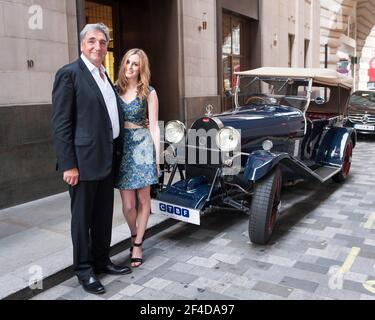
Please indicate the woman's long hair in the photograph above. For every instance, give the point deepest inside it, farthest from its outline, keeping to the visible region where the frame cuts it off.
(144, 74)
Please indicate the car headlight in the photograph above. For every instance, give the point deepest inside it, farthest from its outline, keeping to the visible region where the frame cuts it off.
(267, 145)
(174, 131)
(227, 139)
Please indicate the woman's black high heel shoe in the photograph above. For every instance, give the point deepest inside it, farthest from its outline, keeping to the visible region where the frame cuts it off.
(136, 260)
(131, 247)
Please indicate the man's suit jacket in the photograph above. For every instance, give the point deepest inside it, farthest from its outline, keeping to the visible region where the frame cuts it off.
(82, 128)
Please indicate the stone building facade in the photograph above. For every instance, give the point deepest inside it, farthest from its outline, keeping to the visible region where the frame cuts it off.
(194, 47)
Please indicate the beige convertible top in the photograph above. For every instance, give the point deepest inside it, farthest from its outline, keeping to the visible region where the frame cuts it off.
(322, 76)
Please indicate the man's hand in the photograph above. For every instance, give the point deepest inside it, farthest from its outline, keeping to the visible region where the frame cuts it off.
(71, 177)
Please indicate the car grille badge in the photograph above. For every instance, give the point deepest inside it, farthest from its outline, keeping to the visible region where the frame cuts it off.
(209, 110)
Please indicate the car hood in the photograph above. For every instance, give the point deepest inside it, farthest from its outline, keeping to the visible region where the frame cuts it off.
(265, 121)
(255, 116)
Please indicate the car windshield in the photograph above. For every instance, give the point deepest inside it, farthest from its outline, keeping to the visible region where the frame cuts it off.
(362, 98)
(273, 91)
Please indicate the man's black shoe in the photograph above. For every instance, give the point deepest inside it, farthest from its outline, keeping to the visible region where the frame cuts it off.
(113, 269)
(92, 285)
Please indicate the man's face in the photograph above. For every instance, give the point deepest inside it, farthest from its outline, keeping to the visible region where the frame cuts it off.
(94, 47)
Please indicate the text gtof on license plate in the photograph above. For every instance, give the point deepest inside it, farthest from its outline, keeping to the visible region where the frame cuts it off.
(364, 127)
(176, 212)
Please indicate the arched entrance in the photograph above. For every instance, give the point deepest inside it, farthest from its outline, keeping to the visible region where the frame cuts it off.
(349, 19)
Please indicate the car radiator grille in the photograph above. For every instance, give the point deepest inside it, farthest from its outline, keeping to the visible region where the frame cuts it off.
(201, 159)
(362, 118)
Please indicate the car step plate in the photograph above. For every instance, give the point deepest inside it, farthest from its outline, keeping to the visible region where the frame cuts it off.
(327, 172)
(176, 212)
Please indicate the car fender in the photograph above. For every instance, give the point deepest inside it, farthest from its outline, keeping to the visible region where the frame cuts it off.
(331, 150)
(261, 162)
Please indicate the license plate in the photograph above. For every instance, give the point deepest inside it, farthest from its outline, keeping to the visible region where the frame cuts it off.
(176, 212)
(364, 127)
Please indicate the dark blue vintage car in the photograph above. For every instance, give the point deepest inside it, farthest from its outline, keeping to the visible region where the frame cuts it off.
(287, 126)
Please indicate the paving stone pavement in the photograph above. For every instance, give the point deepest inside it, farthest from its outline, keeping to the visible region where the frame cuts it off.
(323, 248)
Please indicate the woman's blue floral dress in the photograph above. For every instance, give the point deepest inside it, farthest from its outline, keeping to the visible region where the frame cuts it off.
(138, 166)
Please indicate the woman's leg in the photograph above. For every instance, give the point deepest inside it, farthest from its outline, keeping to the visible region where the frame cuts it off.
(144, 207)
(129, 210)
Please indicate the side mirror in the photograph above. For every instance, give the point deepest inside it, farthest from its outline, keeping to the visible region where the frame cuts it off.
(320, 100)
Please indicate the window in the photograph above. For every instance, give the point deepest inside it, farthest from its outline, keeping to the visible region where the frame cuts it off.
(232, 51)
(290, 52)
(321, 92)
(240, 48)
(363, 98)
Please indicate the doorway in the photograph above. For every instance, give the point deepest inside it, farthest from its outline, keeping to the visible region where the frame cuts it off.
(152, 26)
(238, 52)
(102, 11)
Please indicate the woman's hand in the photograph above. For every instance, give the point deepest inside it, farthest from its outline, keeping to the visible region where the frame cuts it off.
(158, 170)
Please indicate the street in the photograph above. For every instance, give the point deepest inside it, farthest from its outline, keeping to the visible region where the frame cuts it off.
(323, 248)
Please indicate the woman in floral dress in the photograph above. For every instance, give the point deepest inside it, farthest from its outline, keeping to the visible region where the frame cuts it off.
(139, 167)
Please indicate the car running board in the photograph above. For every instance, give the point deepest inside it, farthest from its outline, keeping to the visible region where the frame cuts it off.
(321, 174)
(327, 172)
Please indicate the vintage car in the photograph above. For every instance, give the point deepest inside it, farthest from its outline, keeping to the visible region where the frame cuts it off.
(361, 111)
(286, 126)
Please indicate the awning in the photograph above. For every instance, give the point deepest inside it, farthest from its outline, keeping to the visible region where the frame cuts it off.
(321, 76)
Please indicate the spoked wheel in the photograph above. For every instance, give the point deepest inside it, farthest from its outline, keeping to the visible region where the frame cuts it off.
(264, 207)
(346, 163)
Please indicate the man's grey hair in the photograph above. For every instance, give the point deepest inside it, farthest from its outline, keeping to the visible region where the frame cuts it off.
(95, 26)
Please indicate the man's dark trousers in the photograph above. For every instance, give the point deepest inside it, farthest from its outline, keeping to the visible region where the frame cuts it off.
(91, 225)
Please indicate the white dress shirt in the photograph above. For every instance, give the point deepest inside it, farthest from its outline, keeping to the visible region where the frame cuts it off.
(108, 95)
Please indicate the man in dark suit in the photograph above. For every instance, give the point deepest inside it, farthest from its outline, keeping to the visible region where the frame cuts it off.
(87, 125)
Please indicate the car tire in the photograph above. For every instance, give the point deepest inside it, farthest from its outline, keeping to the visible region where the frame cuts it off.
(346, 163)
(264, 207)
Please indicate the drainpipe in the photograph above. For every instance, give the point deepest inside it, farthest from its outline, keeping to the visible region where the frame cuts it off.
(326, 55)
(325, 66)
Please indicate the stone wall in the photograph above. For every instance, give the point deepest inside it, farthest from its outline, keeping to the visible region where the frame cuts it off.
(37, 37)
(47, 36)
(282, 18)
(199, 56)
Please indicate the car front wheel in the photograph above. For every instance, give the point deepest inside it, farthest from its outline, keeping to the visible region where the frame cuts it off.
(264, 207)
